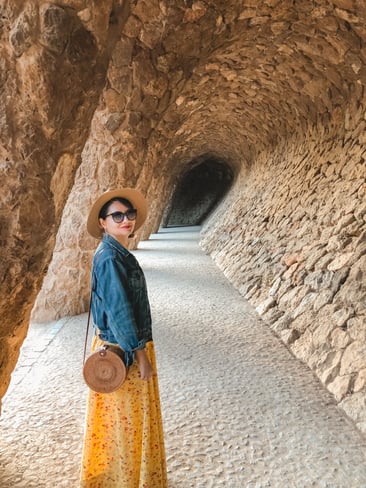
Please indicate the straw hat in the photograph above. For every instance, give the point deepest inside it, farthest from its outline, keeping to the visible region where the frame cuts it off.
(136, 198)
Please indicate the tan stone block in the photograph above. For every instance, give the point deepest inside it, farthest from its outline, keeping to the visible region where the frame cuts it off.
(357, 328)
(147, 10)
(303, 347)
(283, 322)
(289, 336)
(279, 27)
(355, 406)
(354, 358)
(323, 298)
(248, 13)
(334, 243)
(290, 271)
(328, 369)
(122, 54)
(290, 259)
(275, 287)
(342, 315)
(263, 307)
(322, 333)
(304, 321)
(114, 101)
(305, 304)
(340, 261)
(340, 387)
(292, 298)
(151, 34)
(347, 15)
(313, 257)
(197, 11)
(132, 26)
(360, 381)
(340, 339)
(345, 4)
(324, 261)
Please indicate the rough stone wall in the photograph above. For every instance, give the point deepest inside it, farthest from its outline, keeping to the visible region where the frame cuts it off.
(295, 247)
(273, 88)
(52, 69)
(131, 135)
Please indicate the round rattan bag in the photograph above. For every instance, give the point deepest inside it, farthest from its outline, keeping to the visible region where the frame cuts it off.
(104, 370)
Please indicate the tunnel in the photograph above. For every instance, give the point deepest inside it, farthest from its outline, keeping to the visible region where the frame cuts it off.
(198, 192)
(133, 93)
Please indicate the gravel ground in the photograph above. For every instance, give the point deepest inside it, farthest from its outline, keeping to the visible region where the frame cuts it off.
(239, 410)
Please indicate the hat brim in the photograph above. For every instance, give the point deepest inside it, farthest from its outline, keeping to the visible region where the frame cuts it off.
(134, 196)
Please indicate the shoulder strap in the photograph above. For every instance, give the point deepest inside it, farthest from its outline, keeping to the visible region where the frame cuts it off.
(87, 327)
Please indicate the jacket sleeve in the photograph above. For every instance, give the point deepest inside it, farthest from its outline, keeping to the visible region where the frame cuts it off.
(112, 289)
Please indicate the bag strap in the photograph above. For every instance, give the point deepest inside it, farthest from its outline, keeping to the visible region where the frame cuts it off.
(87, 327)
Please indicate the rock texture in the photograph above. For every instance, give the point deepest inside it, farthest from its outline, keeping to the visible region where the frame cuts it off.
(274, 89)
(296, 249)
(53, 67)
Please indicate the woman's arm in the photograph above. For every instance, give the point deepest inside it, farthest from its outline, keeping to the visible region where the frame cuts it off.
(112, 293)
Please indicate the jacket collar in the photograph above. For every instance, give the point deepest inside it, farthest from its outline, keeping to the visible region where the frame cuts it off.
(111, 241)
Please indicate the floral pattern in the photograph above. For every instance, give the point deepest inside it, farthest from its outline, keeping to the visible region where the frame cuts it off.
(124, 444)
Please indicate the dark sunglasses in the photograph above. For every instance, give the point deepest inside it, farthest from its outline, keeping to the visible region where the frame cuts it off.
(118, 217)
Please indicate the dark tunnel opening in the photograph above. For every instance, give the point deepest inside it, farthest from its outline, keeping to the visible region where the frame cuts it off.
(198, 192)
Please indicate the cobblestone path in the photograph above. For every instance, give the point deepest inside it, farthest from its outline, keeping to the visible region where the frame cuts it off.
(239, 410)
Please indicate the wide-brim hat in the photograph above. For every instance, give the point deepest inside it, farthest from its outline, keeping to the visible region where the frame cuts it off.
(136, 198)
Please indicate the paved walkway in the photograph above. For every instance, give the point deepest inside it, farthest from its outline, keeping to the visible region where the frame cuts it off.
(239, 410)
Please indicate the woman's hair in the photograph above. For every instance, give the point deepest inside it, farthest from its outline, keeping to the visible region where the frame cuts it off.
(104, 210)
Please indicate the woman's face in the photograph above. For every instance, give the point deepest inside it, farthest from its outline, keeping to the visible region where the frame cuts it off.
(119, 231)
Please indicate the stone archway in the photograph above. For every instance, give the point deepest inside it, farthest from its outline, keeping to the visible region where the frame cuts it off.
(119, 97)
(198, 192)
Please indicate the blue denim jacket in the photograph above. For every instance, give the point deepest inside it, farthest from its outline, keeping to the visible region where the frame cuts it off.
(120, 304)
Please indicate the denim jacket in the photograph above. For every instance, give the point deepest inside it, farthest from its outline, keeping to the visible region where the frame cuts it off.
(120, 304)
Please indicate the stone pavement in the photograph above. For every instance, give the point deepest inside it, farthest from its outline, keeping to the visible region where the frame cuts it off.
(239, 410)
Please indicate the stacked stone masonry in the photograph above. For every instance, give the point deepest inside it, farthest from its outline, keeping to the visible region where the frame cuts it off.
(300, 258)
(130, 93)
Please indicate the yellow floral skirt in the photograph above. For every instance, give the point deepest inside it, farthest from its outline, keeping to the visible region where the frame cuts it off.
(124, 443)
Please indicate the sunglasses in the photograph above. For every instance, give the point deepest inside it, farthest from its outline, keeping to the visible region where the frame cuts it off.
(118, 217)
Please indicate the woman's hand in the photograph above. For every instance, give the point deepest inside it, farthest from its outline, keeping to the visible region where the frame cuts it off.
(146, 370)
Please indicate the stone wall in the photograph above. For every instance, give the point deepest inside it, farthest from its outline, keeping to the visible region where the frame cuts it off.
(131, 93)
(295, 247)
(52, 70)
(131, 136)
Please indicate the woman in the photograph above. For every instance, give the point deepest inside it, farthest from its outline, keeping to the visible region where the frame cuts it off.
(123, 445)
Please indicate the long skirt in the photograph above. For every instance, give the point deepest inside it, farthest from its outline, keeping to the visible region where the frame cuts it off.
(124, 443)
